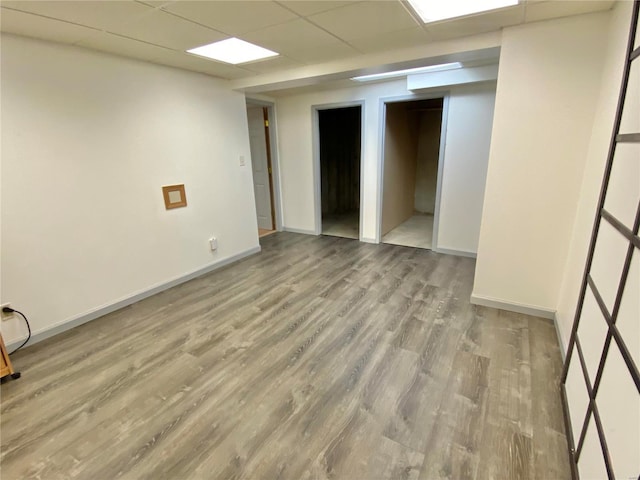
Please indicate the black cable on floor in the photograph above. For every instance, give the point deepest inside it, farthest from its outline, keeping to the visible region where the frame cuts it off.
(11, 310)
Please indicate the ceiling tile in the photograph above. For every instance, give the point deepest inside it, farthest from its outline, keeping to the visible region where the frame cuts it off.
(365, 19)
(327, 53)
(142, 28)
(167, 30)
(392, 40)
(314, 88)
(104, 15)
(231, 17)
(475, 24)
(107, 42)
(298, 33)
(226, 72)
(197, 64)
(543, 10)
(273, 64)
(180, 60)
(156, 3)
(309, 7)
(36, 26)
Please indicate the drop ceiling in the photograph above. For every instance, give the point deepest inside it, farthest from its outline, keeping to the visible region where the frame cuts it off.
(306, 32)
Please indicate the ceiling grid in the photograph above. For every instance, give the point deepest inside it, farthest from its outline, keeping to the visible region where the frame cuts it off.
(306, 33)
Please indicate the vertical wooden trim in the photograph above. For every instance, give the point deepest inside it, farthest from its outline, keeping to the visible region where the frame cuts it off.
(265, 116)
(275, 162)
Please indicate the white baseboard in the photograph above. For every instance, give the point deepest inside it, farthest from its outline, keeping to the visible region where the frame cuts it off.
(299, 230)
(561, 343)
(534, 310)
(459, 253)
(368, 240)
(124, 302)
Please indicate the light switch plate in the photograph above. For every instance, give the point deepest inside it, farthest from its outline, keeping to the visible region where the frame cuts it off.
(243, 162)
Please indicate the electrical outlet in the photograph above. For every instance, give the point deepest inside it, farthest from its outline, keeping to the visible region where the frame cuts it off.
(6, 316)
(213, 244)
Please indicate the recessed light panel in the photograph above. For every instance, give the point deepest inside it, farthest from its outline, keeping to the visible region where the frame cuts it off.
(434, 10)
(233, 51)
(409, 71)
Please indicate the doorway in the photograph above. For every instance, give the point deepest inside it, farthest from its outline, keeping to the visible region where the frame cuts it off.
(411, 160)
(262, 168)
(339, 141)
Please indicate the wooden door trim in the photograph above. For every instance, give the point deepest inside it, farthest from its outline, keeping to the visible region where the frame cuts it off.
(265, 115)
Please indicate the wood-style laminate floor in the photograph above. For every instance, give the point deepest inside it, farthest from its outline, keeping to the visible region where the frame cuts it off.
(319, 358)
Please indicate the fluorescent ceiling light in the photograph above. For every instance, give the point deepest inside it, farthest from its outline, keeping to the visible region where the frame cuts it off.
(233, 50)
(409, 71)
(434, 10)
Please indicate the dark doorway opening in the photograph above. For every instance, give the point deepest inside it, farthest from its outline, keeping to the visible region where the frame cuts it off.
(340, 149)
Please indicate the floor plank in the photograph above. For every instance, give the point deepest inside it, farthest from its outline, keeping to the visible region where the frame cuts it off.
(320, 357)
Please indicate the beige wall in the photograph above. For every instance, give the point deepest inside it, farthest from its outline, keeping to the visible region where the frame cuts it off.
(548, 81)
(400, 153)
(427, 164)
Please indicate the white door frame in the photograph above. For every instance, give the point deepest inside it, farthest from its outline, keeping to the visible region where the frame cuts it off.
(443, 136)
(317, 198)
(275, 164)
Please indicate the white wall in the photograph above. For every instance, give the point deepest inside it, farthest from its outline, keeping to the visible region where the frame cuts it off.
(88, 140)
(466, 153)
(548, 79)
(295, 148)
(469, 124)
(620, 419)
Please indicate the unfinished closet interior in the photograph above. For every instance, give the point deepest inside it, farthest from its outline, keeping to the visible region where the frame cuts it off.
(410, 183)
(340, 148)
